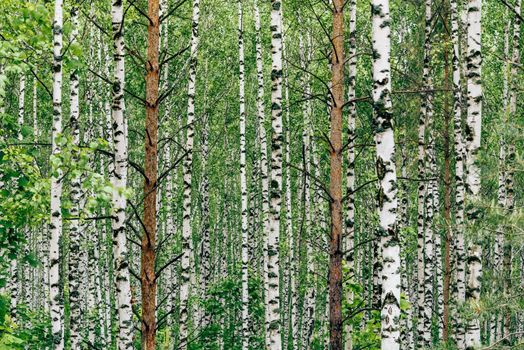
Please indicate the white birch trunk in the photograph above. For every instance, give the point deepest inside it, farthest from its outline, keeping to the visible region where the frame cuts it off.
(35, 111)
(187, 173)
(273, 264)
(118, 212)
(387, 177)
(264, 172)
(75, 228)
(425, 223)
(473, 131)
(243, 185)
(510, 164)
(55, 226)
(349, 241)
(289, 267)
(21, 106)
(459, 290)
(205, 269)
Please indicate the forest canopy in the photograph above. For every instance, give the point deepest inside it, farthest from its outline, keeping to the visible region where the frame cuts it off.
(279, 175)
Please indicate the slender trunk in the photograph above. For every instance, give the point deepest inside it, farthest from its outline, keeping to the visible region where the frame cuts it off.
(438, 301)
(118, 212)
(289, 268)
(460, 269)
(427, 114)
(421, 326)
(16, 286)
(205, 258)
(21, 106)
(309, 302)
(75, 228)
(148, 276)
(105, 251)
(187, 173)
(349, 224)
(447, 203)
(335, 184)
(35, 111)
(243, 184)
(473, 130)
(263, 159)
(273, 234)
(403, 220)
(55, 225)
(387, 177)
(497, 320)
(510, 163)
(91, 276)
(13, 289)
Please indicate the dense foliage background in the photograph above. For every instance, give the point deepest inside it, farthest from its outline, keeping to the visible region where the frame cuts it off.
(26, 166)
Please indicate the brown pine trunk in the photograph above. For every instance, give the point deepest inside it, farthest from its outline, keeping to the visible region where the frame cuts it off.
(335, 186)
(447, 200)
(147, 272)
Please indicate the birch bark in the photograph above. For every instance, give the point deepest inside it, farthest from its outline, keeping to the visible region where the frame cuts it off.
(118, 210)
(387, 177)
(273, 234)
(55, 226)
(187, 175)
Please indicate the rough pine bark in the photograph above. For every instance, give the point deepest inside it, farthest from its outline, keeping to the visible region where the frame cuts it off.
(335, 183)
(118, 208)
(387, 177)
(148, 277)
(55, 226)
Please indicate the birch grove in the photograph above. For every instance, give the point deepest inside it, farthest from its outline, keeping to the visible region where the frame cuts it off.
(279, 175)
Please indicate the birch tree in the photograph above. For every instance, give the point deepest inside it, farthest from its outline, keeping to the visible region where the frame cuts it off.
(75, 229)
(55, 226)
(459, 289)
(243, 184)
(187, 175)
(349, 224)
(386, 173)
(473, 130)
(273, 234)
(118, 208)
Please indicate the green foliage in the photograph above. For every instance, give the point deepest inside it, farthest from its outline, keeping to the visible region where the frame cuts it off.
(223, 303)
(34, 334)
